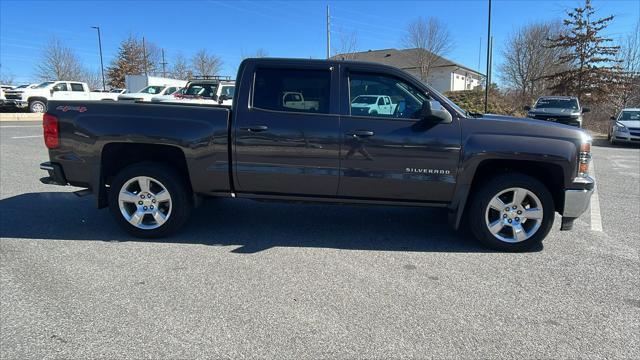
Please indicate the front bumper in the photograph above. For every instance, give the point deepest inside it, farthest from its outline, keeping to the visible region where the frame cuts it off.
(576, 201)
(14, 103)
(630, 136)
(56, 175)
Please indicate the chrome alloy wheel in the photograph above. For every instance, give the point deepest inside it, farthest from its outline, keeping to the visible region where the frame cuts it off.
(514, 215)
(144, 202)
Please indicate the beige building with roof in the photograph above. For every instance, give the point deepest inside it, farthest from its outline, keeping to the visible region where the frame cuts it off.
(445, 75)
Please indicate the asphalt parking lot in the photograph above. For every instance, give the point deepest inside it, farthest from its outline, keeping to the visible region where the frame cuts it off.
(250, 279)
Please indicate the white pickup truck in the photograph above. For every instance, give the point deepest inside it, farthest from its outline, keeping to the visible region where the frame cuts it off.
(372, 105)
(37, 97)
(203, 91)
(295, 100)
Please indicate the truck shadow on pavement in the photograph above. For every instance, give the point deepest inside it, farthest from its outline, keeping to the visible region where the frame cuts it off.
(252, 226)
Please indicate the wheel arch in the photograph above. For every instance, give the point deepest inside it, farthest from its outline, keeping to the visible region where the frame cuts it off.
(117, 155)
(551, 175)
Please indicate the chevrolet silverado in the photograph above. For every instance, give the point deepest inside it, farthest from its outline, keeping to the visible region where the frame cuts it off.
(503, 177)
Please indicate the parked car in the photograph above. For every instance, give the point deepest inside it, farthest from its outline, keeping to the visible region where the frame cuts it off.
(507, 177)
(149, 92)
(625, 127)
(37, 97)
(209, 90)
(171, 97)
(2, 89)
(373, 104)
(561, 109)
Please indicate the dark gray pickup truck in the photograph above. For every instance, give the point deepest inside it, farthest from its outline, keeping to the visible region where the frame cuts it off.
(307, 130)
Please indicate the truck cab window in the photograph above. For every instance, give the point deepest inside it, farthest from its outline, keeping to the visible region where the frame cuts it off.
(384, 96)
(60, 87)
(76, 87)
(292, 90)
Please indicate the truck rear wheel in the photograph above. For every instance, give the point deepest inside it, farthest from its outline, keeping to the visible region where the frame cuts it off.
(37, 106)
(149, 200)
(512, 212)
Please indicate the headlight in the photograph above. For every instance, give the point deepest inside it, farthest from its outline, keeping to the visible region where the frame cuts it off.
(621, 127)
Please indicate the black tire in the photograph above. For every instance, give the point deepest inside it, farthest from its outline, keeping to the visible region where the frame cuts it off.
(489, 189)
(176, 186)
(36, 105)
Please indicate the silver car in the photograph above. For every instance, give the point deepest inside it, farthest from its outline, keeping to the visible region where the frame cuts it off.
(625, 127)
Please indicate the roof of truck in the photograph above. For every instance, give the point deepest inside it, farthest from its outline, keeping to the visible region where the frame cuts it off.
(557, 97)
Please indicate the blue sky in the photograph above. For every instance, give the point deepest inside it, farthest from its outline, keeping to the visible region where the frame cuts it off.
(283, 28)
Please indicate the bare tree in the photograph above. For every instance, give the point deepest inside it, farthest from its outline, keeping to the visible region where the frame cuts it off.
(205, 64)
(347, 45)
(180, 69)
(260, 53)
(58, 62)
(92, 78)
(629, 58)
(528, 61)
(6, 77)
(431, 40)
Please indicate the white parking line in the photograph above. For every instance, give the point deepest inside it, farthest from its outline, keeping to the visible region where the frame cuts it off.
(26, 137)
(20, 126)
(596, 217)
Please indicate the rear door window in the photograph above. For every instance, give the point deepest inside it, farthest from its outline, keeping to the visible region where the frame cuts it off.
(292, 90)
(77, 87)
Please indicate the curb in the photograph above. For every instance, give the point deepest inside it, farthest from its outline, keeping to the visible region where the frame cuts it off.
(20, 117)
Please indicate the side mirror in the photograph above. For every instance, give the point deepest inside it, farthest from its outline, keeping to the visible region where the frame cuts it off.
(585, 110)
(433, 112)
(613, 118)
(527, 108)
(223, 97)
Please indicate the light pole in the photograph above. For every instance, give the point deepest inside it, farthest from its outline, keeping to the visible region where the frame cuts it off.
(488, 75)
(104, 87)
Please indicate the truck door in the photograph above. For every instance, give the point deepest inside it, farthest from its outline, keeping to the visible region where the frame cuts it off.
(393, 156)
(280, 146)
(60, 91)
(78, 92)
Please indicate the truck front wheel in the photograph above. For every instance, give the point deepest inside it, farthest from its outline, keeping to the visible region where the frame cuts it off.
(511, 212)
(150, 200)
(37, 106)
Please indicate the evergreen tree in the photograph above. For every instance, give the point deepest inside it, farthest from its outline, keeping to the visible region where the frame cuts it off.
(592, 69)
(133, 59)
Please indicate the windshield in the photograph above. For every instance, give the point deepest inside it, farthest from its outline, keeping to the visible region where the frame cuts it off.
(115, 90)
(22, 86)
(557, 104)
(204, 90)
(364, 100)
(152, 89)
(630, 115)
(44, 84)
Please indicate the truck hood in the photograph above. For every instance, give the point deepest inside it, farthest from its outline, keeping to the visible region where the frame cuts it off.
(510, 125)
(630, 123)
(555, 111)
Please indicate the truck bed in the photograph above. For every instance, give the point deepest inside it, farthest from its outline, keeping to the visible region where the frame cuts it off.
(91, 132)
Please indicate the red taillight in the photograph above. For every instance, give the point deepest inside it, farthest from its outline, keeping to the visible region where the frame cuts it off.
(51, 132)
